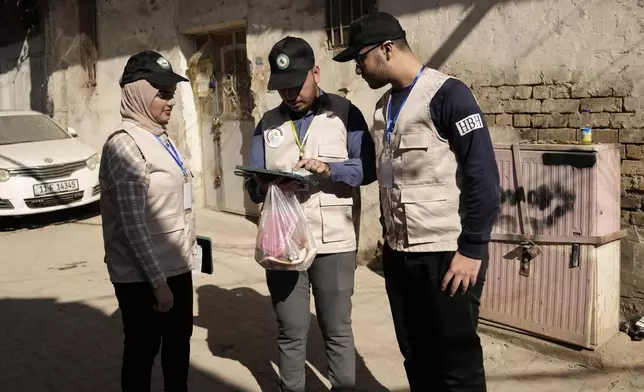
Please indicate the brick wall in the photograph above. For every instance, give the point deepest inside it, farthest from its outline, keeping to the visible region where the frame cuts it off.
(553, 112)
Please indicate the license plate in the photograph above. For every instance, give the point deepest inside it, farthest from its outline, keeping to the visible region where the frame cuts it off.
(55, 187)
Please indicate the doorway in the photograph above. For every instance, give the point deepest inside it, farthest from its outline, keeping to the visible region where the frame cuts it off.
(228, 123)
(22, 76)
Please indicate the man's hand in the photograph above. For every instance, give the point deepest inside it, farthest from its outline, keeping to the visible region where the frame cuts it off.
(286, 185)
(164, 297)
(262, 182)
(464, 271)
(315, 166)
(282, 183)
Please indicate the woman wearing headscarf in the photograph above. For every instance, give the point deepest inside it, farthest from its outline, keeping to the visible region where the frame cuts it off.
(148, 226)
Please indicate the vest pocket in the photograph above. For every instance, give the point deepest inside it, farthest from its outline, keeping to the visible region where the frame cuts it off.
(170, 244)
(336, 214)
(166, 224)
(332, 152)
(415, 141)
(427, 214)
(415, 158)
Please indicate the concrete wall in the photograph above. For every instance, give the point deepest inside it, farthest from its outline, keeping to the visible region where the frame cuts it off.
(90, 102)
(532, 63)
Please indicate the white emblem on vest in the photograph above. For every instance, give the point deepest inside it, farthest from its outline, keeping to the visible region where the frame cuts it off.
(274, 137)
(282, 61)
(468, 124)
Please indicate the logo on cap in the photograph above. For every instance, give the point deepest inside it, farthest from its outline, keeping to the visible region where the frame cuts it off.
(163, 63)
(282, 61)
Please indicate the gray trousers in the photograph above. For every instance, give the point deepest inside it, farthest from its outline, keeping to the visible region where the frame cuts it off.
(331, 278)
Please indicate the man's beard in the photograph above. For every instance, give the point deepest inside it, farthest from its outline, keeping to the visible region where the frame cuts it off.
(375, 83)
(378, 80)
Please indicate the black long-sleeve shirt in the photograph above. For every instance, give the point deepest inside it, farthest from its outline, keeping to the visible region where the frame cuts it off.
(459, 120)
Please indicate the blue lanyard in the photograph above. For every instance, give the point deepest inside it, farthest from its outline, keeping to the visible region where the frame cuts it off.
(173, 153)
(391, 122)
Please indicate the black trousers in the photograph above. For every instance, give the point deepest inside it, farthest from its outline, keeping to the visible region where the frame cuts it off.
(147, 330)
(437, 335)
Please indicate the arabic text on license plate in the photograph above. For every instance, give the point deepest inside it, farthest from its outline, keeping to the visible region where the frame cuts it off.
(55, 187)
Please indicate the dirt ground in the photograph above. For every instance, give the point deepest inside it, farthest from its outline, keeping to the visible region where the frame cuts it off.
(60, 327)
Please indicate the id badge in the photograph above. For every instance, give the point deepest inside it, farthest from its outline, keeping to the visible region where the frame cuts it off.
(386, 172)
(187, 196)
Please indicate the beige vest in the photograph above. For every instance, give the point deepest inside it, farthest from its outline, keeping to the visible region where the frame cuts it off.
(421, 209)
(171, 227)
(329, 208)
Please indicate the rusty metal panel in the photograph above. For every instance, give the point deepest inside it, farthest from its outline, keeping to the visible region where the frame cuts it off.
(226, 103)
(556, 295)
(609, 255)
(609, 191)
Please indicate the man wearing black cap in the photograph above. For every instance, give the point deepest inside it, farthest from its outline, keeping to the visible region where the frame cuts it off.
(439, 192)
(148, 227)
(328, 136)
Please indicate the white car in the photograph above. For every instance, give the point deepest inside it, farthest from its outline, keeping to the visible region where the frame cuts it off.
(43, 168)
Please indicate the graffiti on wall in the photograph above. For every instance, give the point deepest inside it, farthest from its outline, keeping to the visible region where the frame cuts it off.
(555, 199)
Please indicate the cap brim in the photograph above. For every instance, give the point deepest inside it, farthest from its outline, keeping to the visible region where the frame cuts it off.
(165, 79)
(284, 80)
(347, 55)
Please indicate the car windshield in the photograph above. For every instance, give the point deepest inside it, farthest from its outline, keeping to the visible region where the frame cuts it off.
(24, 128)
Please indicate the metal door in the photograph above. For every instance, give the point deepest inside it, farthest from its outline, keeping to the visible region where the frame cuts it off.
(232, 125)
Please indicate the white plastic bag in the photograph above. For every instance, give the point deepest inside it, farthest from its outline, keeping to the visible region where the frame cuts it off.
(284, 239)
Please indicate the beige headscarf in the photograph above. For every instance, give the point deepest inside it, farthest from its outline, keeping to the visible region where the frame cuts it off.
(136, 99)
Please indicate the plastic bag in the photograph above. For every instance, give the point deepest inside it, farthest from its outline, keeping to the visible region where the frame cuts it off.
(284, 239)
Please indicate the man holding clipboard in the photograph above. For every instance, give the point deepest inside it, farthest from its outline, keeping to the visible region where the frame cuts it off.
(326, 136)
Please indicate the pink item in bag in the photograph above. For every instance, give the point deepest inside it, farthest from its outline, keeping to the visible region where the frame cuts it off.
(278, 228)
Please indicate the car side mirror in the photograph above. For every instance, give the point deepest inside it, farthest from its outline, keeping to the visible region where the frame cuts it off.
(72, 132)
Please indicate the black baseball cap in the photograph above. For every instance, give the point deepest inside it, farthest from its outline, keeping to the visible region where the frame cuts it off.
(370, 29)
(152, 67)
(291, 59)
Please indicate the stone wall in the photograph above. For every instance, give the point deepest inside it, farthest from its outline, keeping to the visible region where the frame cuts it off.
(552, 111)
(533, 64)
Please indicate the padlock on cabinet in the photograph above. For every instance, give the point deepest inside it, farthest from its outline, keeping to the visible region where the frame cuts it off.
(530, 251)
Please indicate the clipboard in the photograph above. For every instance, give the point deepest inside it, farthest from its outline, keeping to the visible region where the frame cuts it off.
(273, 175)
(205, 244)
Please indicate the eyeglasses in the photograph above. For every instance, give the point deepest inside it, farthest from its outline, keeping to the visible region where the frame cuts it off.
(360, 57)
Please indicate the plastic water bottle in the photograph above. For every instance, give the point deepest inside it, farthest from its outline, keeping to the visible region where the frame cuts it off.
(586, 135)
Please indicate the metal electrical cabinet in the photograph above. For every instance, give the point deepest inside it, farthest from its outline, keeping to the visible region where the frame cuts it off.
(555, 253)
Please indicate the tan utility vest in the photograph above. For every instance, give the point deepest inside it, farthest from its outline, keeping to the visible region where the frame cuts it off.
(329, 207)
(421, 209)
(171, 226)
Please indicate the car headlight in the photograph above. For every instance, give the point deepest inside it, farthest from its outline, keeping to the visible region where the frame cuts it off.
(4, 175)
(92, 162)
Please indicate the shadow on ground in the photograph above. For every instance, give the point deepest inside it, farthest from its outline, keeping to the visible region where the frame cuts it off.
(38, 221)
(241, 326)
(50, 346)
(581, 373)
